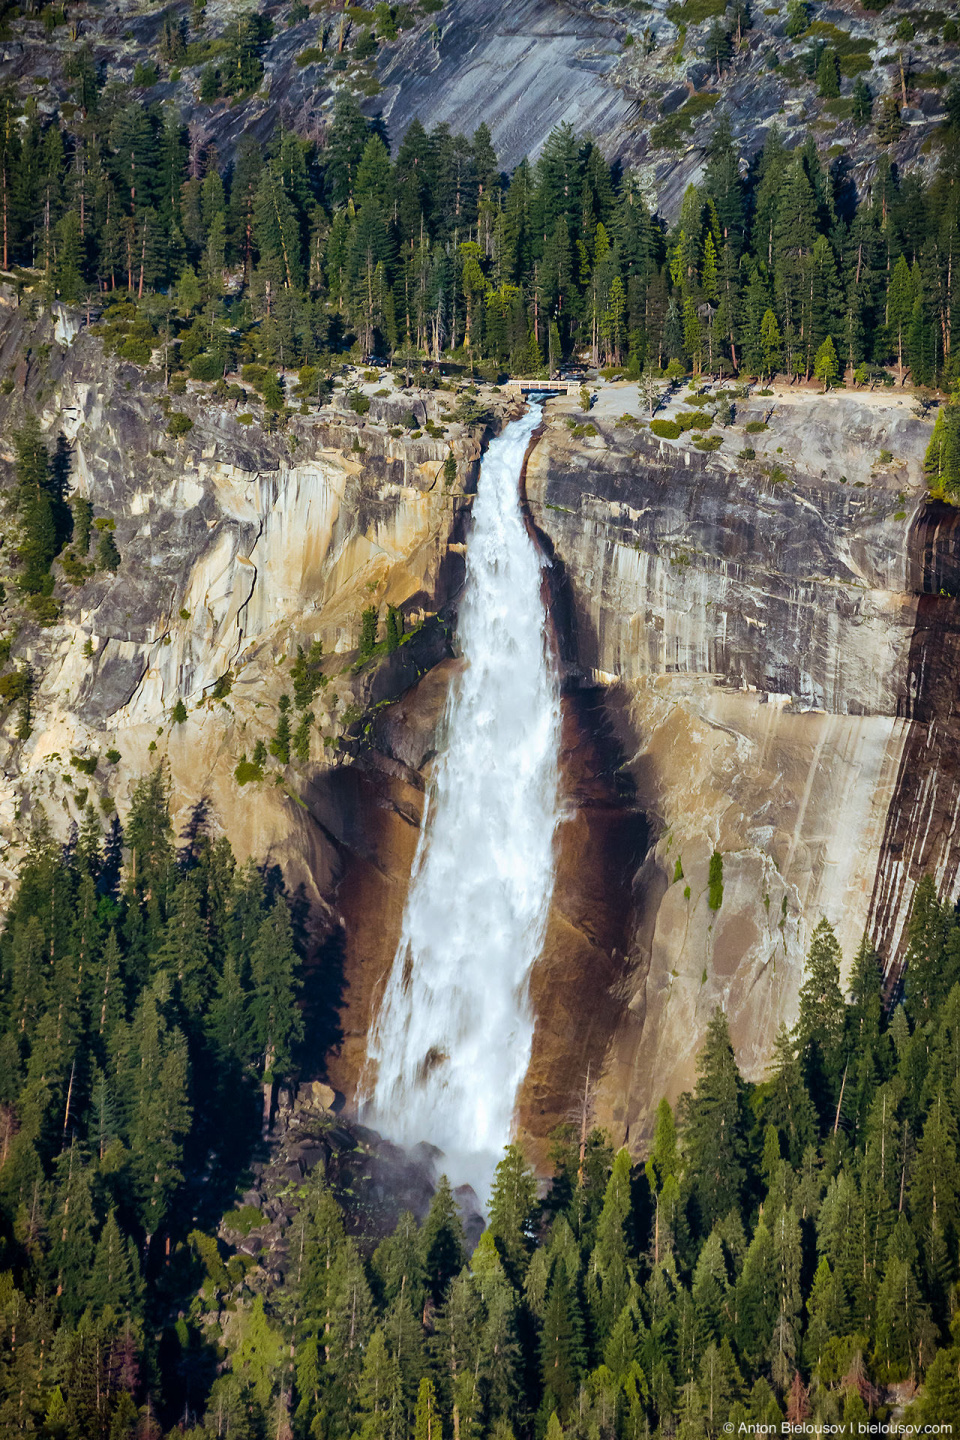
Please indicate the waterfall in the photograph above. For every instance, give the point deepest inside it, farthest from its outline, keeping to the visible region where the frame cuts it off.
(451, 1043)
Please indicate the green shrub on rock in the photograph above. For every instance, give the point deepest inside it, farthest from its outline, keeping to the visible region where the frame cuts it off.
(206, 367)
(715, 898)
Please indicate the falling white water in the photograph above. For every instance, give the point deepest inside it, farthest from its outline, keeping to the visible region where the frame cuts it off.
(451, 1043)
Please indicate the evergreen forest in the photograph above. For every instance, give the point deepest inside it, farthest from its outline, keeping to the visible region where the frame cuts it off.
(301, 249)
(788, 1251)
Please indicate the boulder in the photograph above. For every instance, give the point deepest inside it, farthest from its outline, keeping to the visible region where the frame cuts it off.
(314, 1095)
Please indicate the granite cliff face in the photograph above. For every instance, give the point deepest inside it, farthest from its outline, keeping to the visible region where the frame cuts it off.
(756, 641)
(757, 654)
(237, 545)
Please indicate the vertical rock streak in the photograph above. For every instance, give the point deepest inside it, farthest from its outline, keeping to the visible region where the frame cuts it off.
(452, 1040)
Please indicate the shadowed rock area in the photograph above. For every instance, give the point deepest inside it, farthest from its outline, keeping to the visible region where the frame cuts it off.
(921, 835)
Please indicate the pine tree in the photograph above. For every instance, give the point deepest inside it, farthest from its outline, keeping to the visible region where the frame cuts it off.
(935, 1179)
(620, 1351)
(709, 1290)
(784, 1344)
(561, 1345)
(841, 1237)
(825, 366)
(889, 123)
(714, 1129)
(862, 102)
(611, 1261)
(788, 1105)
(368, 632)
(501, 1358)
(942, 460)
(512, 1207)
(108, 556)
(758, 1299)
(923, 960)
(821, 1021)
(828, 75)
(940, 1394)
(279, 746)
(115, 1276)
(148, 836)
(904, 1329)
(351, 1323)
(771, 342)
(900, 298)
(381, 1396)
(70, 1226)
(276, 1022)
(826, 1315)
(37, 506)
(159, 1111)
(183, 956)
(258, 1357)
(442, 1241)
(426, 1425)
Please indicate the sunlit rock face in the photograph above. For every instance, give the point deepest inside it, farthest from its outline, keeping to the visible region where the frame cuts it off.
(756, 639)
(237, 545)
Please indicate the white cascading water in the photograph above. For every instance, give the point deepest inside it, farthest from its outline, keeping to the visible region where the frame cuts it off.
(451, 1043)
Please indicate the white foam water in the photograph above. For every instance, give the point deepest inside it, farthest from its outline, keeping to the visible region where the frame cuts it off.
(451, 1043)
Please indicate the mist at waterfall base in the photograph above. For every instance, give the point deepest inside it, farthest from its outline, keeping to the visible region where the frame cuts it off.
(451, 1043)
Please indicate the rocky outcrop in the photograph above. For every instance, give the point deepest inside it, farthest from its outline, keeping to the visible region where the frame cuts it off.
(644, 86)
(521, 69)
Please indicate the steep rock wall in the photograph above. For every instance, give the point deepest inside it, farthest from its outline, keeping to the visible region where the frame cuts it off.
(237, 544)
(755, 641)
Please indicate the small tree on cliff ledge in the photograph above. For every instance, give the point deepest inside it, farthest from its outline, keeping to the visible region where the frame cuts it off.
(368, 632)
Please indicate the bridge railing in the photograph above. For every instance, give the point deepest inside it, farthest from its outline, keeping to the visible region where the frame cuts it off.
(562, 387)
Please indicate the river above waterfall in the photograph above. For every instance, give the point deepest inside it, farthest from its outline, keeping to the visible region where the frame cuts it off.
(451, 1043)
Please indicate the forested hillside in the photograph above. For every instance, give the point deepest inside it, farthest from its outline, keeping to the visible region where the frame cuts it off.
(295, 252)
(788, 1250)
